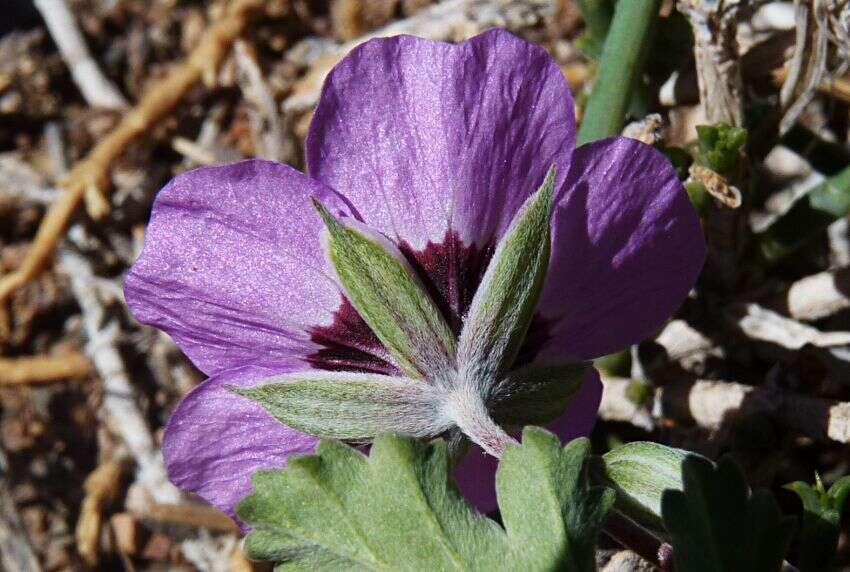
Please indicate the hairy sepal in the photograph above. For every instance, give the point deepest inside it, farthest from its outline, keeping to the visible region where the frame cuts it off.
(388, 296)
(351, 406)
(536, 395)
(502, 308)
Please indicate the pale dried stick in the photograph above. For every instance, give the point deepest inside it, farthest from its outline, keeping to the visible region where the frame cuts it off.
(820, 295)
(97, 90)
(715, 49)
(708, 404)
(44, 369)
(89, 179)
(815, 67)
(119, 408)
(764, 325)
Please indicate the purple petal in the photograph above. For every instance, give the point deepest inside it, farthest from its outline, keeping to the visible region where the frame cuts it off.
(627, 247)
(476, 475)
(233, 268)
(215, 440)
(426, 137)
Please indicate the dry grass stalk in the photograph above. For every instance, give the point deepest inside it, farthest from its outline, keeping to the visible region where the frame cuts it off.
(89, 179)
(44, 369)
(102, 487)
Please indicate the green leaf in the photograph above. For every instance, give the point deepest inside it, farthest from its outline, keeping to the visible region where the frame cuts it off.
(354, 406)
(398, 509)
(504, 303)
(551, 516)
(640, 472)
(822, 512)
(388, 296)
(717, 525)
(536, 395)
(721, 147)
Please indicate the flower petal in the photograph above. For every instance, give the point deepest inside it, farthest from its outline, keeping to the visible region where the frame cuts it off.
(476, 475)
(627, 247)
(215, 440)
(233, 268)
(427, 137)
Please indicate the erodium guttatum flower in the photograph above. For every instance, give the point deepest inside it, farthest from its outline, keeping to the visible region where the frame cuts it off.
(447, 267)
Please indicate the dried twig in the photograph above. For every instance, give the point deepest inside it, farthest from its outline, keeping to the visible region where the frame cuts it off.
(837, 87)
(44, 369)
(718, 65)
(761, 324)
(88, 180)
(97, 90)
(708, 404)
(805, 76)
(192, 515)
(818, 296)
(102, 487)
(119, 408)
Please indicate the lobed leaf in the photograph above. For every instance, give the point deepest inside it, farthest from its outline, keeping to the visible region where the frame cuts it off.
(536, 395)
(717, 525)
(552, 518)
(398, 509)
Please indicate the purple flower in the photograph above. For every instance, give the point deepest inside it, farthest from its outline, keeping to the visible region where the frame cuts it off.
(436, 147)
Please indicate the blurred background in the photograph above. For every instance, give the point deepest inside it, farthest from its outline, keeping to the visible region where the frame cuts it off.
(103, 101)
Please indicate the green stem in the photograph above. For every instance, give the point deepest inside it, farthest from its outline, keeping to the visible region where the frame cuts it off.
(810, 215)
(619, 69)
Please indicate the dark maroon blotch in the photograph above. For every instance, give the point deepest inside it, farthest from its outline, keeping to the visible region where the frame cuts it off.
(451, 273)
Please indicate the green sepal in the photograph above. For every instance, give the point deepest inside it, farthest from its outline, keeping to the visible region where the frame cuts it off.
(388, 296)
(503, 305)
(536, 395)
(352, 406)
